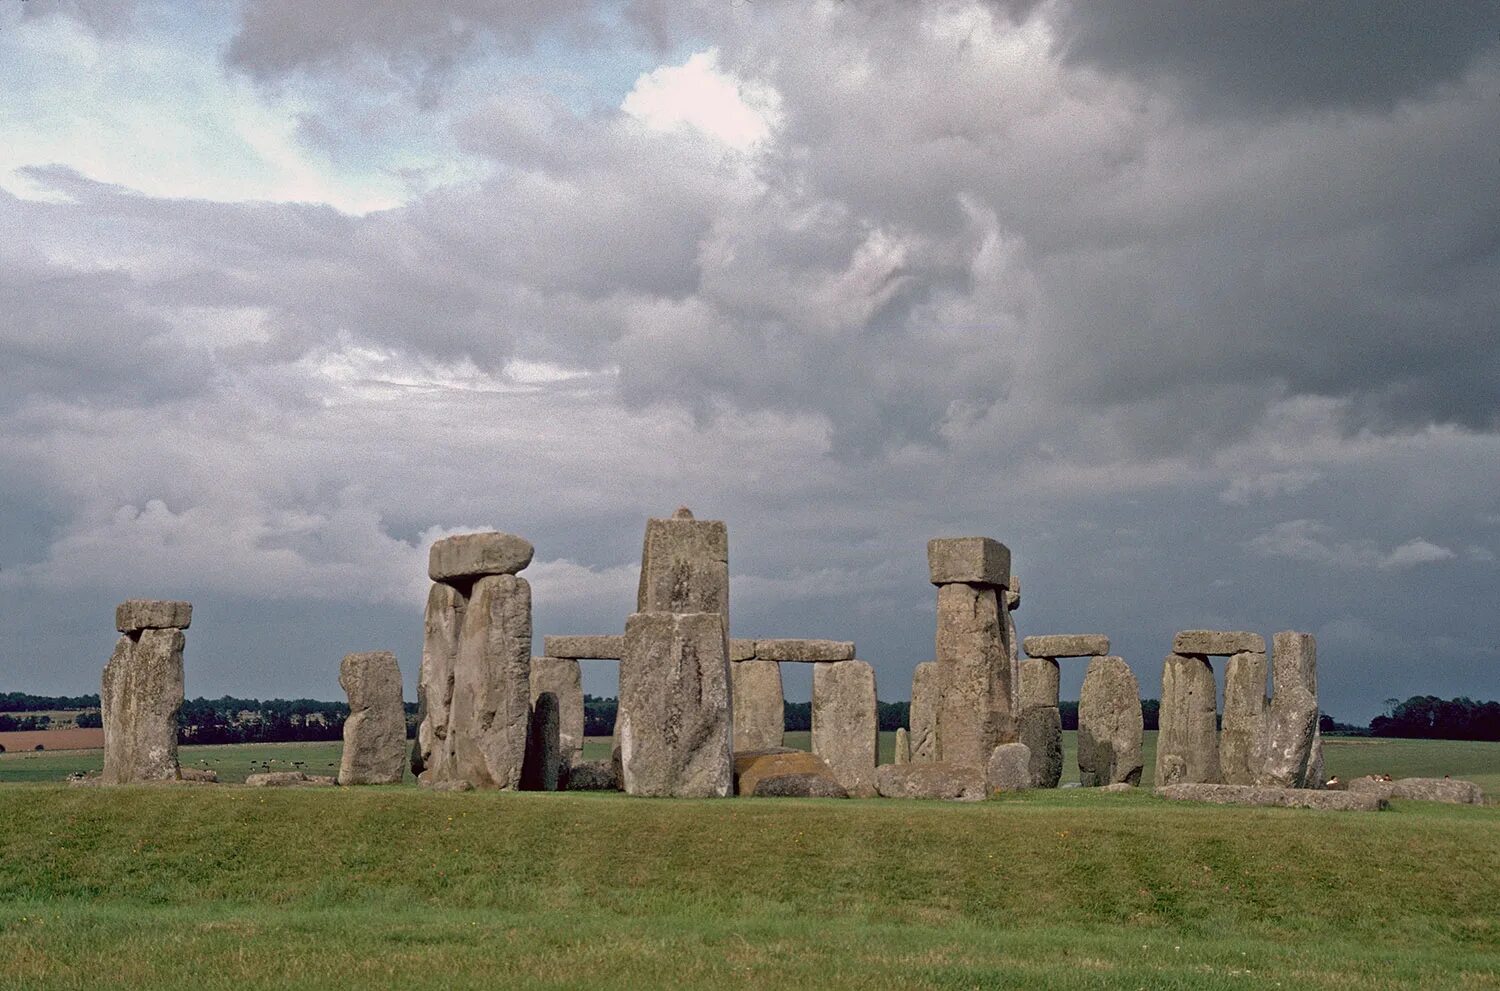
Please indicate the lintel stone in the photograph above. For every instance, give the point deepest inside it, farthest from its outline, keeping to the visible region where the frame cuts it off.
(1067, 645)
(973, 560)
(810, 651)
(1217, 643)
(474, 555)
(133, 615)
(604, 647)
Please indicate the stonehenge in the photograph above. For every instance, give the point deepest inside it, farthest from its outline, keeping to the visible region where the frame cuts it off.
(140, 692)
(1268, 742)
(974, 713)
(1110, 723)
(375, 732)
(474, 690)
(845, 726)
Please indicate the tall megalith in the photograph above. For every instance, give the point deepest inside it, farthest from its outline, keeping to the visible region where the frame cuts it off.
(1110, 724)
(974, 711)
(140, 692)
(375, 732)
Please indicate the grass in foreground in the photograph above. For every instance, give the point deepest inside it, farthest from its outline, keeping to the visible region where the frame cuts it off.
(353, 888)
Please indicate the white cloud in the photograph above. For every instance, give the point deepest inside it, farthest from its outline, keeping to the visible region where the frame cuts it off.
(1245, 489)
(699, 95)
(1309, 540)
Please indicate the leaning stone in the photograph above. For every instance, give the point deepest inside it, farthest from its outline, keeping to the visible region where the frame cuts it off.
(741, 650)
(375, 732)
(846, 723)
(152, 614)
(1291, 725)
(934, 780)
(674, 724)
(1188, 722)
(1067, 645)
(467, 556)
(288, 779)
(592, 775)
(903, 746)
(922, 715)
(798, 786)
(974, 713)
(562, 677)
(759, 706)
(139, 697)
(1217, 643)
(1041, 731)
(491, 709)
(1243, 727)
(1040, 680)
(585, 648)
(1009, 768)
(442, 625)
(750, 769)
(808, 651)
(1291, 798)
(1449, 790)
(972, 560)
(1109, 724)
(685, 567)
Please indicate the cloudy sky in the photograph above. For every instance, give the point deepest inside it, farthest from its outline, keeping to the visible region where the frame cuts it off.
(1196, 310)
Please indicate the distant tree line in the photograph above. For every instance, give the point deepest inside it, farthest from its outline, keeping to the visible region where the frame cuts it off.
(22, 702)
(1429, 717)
(10, 724)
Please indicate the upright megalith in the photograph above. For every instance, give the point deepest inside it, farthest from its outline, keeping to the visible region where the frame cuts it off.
(674, 724)
(759, 705)
(685, 566)
(562, 678)
(375, 732)
(1187, 742)
(974, 711)
(542, 769)
(1110, 724)
(845, 723)
(1040, 725)
(922, 715)
(1243, 726)
(1291, 752)
(903, 746)
(141, 692)
(474, 690)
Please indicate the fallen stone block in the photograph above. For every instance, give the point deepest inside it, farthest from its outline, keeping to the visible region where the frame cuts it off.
(201, 775)
(1265, 795)
(289, 779)
(752, 767)
(971, 560)
(1217, 643)
(592, 775)
(797, 786)
(1067, 645)
(934, 780)
(1009, 768)
(604, 647)
(152, 614)
(1449, 790)
(473, 555)
(1118, 788)
(806, 651)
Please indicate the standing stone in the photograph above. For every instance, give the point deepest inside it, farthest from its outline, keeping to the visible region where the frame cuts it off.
(1012, 597)
(1317, 775)
(903, 746)
(1110, 725)
(1009, 768)
(490, 713)
(542, 766)
(140, 695)
(1241, 738)
(923, 712)
(1292, 722)
(685, 567)
(1187, 744)
(845, 723)
(1040, 726)
(974, 713)
(674, 728)
(375, 732)
(759, 707)
(562, 677)
(442, 624)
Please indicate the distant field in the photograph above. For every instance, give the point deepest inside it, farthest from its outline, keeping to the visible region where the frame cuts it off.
(1346, 757)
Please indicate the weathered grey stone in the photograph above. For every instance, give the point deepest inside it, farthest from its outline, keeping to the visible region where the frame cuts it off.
(972, 560)
(1009, 768)
(974, 713)
(1449, 790)
(563, 678)
(585, 648)
(1040, 680)
(685, 567)
(759, 706)
(200, 775)
(1317, 775)
(807, 651)
(751, 767)
(741, 650)
(674, 722)
(1188, 722)
(592, 775)
(133, 615)
(903, 746)
(1286, 757)
(1067, 645)
(1292, 798)
(925, 695)
(1218, 643)
(1110, 724)
(467, 556)
(442, 624)
(1041, 731)
(1013, 594)
(289, 779)
(375, 732)
(542, 768)
(933, 780)
(1242, 734)
(139, 697)
(797, 786)
(845, 723)
(490, 712)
